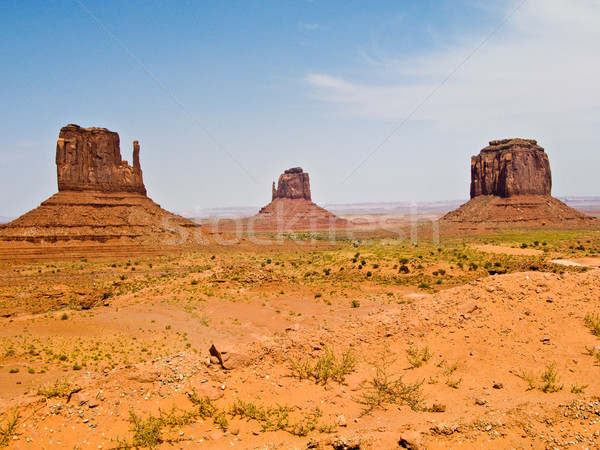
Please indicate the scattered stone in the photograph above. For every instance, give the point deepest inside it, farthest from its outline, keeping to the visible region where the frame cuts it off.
(143, 373)
(411, 440)
(215, 435)
(79, 399)
(468, 308)
(498, 385)
(228, 357)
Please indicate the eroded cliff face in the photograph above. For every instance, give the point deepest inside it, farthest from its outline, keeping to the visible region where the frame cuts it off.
(90, 159)
(293, 183)
(511, 167)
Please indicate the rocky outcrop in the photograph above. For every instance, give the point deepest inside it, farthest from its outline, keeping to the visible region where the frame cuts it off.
(291, 207)
(293, 183)
(510, 187)
(511, 167)
(90, 159)
(101, 198)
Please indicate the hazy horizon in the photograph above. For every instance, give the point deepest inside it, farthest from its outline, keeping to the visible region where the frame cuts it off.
(379, 102)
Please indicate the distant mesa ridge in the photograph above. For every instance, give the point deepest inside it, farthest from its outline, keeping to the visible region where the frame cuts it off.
(100, 197)
(511, 185)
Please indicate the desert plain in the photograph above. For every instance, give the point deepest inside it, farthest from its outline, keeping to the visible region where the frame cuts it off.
(323, 339)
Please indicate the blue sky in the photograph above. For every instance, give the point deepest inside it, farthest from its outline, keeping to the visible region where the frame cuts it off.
(231, 93)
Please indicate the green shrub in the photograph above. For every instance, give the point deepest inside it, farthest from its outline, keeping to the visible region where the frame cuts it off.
(326, 367)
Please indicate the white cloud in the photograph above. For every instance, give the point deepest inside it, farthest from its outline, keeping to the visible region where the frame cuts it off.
(310, 26)
(542, 65)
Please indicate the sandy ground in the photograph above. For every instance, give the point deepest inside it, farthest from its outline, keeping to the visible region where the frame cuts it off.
(473, 349)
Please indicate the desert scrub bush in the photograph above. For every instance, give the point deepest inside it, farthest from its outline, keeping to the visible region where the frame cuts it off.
(593, 323)
(205, 406)
(8, 428)
(60, 388)
(448, 369)
(355, 303)
(549, 380)
(578, 389)
(454, 384)
(403, 269)
(418, 356)
(593, 352)
(147, 433)
(387, 388)
(327, 367)
(278, 418)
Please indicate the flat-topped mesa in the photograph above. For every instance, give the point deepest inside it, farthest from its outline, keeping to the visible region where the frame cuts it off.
(293, 183)
(511, 167)
(510, 187)
(89, 159)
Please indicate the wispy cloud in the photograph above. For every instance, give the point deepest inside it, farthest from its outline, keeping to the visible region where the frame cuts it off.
(542, 63)
(311, 26)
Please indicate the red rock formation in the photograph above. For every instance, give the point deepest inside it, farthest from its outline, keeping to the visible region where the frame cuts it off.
(291, 207)
(90, 159)
(510, 187)
(101, 198)
(293, 183)
(511, 167)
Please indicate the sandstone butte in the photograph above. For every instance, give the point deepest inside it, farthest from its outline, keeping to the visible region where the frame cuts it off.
(292, 208)
(511, 185)
(101, 198)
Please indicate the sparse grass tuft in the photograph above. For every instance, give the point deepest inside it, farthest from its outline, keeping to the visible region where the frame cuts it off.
(149, 433)
(417, 357)
(386, 388)
(454, 384)
(278, 418)
(206, 408)
(549, 380)
(8, 428)
(327, 367)
(578, 389)
(529, 378)
(60, 388)
(593, 323)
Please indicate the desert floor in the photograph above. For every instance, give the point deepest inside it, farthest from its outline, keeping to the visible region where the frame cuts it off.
(372, 341)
